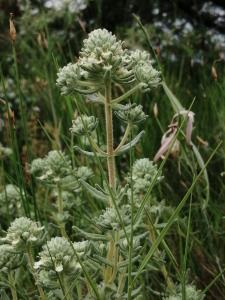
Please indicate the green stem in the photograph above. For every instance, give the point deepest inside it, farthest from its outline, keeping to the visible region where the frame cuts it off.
(31, 264)
(12, 286)
(127, 94)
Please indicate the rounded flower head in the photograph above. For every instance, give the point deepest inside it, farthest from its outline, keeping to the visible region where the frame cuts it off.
(132, 114)
(102, 52)
(103, 57)
(58, 256)
(109, 220)
(103, 46)
(83, 173)
(144, 167)
(84, 125)
(67, 78)
(22, 233)
(143, 172)
(139, 57)
(11, 193)
(147, 75)
(52, 167)
(191, 293)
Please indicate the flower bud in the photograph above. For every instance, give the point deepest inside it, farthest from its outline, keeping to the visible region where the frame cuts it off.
(12, 29)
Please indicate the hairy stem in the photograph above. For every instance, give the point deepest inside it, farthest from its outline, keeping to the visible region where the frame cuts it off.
(31, 264)
(109, 137)
(112, 251)
(12, 286)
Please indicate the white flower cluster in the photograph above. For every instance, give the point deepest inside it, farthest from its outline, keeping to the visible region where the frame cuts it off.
(56, 168)
(84, 125)
(58, 258)
(73, 6)
(109, 219)
(143, 172)
(103, 55)
(22, 233)
(191, 293)
(132, 114)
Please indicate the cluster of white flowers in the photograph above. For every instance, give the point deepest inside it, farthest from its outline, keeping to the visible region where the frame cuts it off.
(84, 125)
(58, 258)
(191, 293)
(109, 219)
(59, 6)
(56, 168)
(73, 6)
(103, 54)
(22, 233)
(143, 172)
(131, 114)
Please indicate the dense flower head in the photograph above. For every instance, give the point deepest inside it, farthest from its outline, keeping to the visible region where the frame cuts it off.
(23, 232)
(139, 57)
(143, 172)
(52, 167)
(84, 125)
(103, 46)
(147, 75)
(109, 219)
(132, 114)
(68, 76)
(83, 173)
(102, 53)
(103, 57)
(11, 193)
(58, 256)
(191, 293)
(144, 167)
